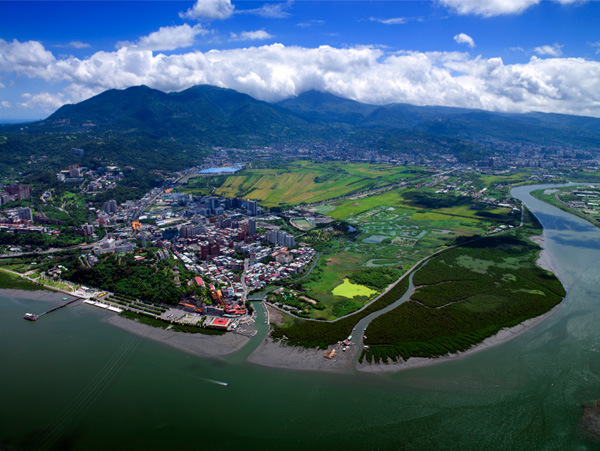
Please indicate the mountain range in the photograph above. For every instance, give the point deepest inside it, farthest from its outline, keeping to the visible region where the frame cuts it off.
(204, 116)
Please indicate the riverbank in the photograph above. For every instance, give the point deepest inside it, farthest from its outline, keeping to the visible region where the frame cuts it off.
(544, 261)
(503, 336)
(197, 344)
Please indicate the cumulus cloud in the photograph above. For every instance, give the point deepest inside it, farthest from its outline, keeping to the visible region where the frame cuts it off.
(270, 10)
(367, 74)
(168, 38)
(42, 100)
(463, 38)
(390, 21)
(209, 9)
(489, 8)
(22, 57)
(258, 35)
(549, 50)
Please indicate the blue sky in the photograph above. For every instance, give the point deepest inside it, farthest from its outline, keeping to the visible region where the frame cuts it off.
(498, 55)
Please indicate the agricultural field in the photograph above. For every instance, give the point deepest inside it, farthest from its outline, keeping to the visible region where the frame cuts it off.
(368, 170)
(396, 231)
(465, 295)
(290, 187)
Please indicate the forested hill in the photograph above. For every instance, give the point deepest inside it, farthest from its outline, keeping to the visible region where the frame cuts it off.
(150, 129)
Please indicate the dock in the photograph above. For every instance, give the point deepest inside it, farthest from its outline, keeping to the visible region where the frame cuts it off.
(32, 317)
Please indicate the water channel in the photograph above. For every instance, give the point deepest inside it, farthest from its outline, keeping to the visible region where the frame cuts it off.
(73, 381)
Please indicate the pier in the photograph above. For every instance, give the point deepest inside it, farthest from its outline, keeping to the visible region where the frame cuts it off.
(32, 317)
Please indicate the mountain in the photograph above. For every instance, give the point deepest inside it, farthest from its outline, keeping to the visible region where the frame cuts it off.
(460, 123)
(322, 106)
(151, 129)
(203, 114)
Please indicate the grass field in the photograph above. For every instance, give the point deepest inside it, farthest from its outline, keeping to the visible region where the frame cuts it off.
(273, 187)
(350, 290)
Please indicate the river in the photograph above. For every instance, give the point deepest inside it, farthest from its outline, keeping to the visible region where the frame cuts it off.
(73, 381)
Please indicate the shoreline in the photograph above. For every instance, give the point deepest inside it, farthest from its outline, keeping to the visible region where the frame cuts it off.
(277, 355)
(197, 344)
(503, 336)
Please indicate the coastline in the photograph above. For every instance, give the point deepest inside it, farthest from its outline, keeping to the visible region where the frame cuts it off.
(503, 336)
(196, 344)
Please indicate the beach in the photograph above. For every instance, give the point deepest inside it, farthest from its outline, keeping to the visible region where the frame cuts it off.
(197, 344)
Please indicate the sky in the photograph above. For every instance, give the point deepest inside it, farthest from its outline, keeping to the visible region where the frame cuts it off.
(496, 55)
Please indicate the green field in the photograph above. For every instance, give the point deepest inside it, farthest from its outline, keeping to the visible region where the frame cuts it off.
(395, 233)
(350, 290)
(465, 295)
(274, 187)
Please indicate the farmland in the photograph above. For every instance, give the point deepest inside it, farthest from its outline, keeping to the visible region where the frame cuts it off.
(396, 231)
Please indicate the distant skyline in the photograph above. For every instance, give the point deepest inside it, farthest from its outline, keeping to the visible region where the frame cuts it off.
(497, 55)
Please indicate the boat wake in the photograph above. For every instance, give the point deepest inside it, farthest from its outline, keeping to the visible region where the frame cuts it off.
(216, 382)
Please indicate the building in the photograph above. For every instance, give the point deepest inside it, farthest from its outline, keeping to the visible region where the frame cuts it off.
(251, 227)
(25, 214)
(252, 207)
(170, 233)
(110, 207)
(18, 190)
(87, 229)
(74, 171)
(77, 152)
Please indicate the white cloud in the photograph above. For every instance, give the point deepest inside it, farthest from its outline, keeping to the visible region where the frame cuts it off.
(549, 50)
(390, 21)
(463, 38)
(310, 23)
(597, 45)
(5, 104)
(168, 38)
(270, 10)
(23, 57)
(258, 35)
(209, 9)
(489, 8)
(42, 100)
(74, 44)
(274, 72)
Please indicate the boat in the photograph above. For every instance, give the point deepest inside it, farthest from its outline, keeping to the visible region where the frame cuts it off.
(30, 317)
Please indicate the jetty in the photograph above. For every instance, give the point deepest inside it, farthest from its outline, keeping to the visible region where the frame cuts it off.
(32, 317)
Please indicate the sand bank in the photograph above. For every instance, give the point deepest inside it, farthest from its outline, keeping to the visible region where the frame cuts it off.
(544, 261)
(277, 355)
(197, 344)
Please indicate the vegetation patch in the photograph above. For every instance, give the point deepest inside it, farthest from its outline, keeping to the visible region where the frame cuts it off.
(350, 290)
(10, 281)
(455, 307)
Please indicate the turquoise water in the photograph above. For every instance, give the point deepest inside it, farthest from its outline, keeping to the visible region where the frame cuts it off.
(72, 381)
